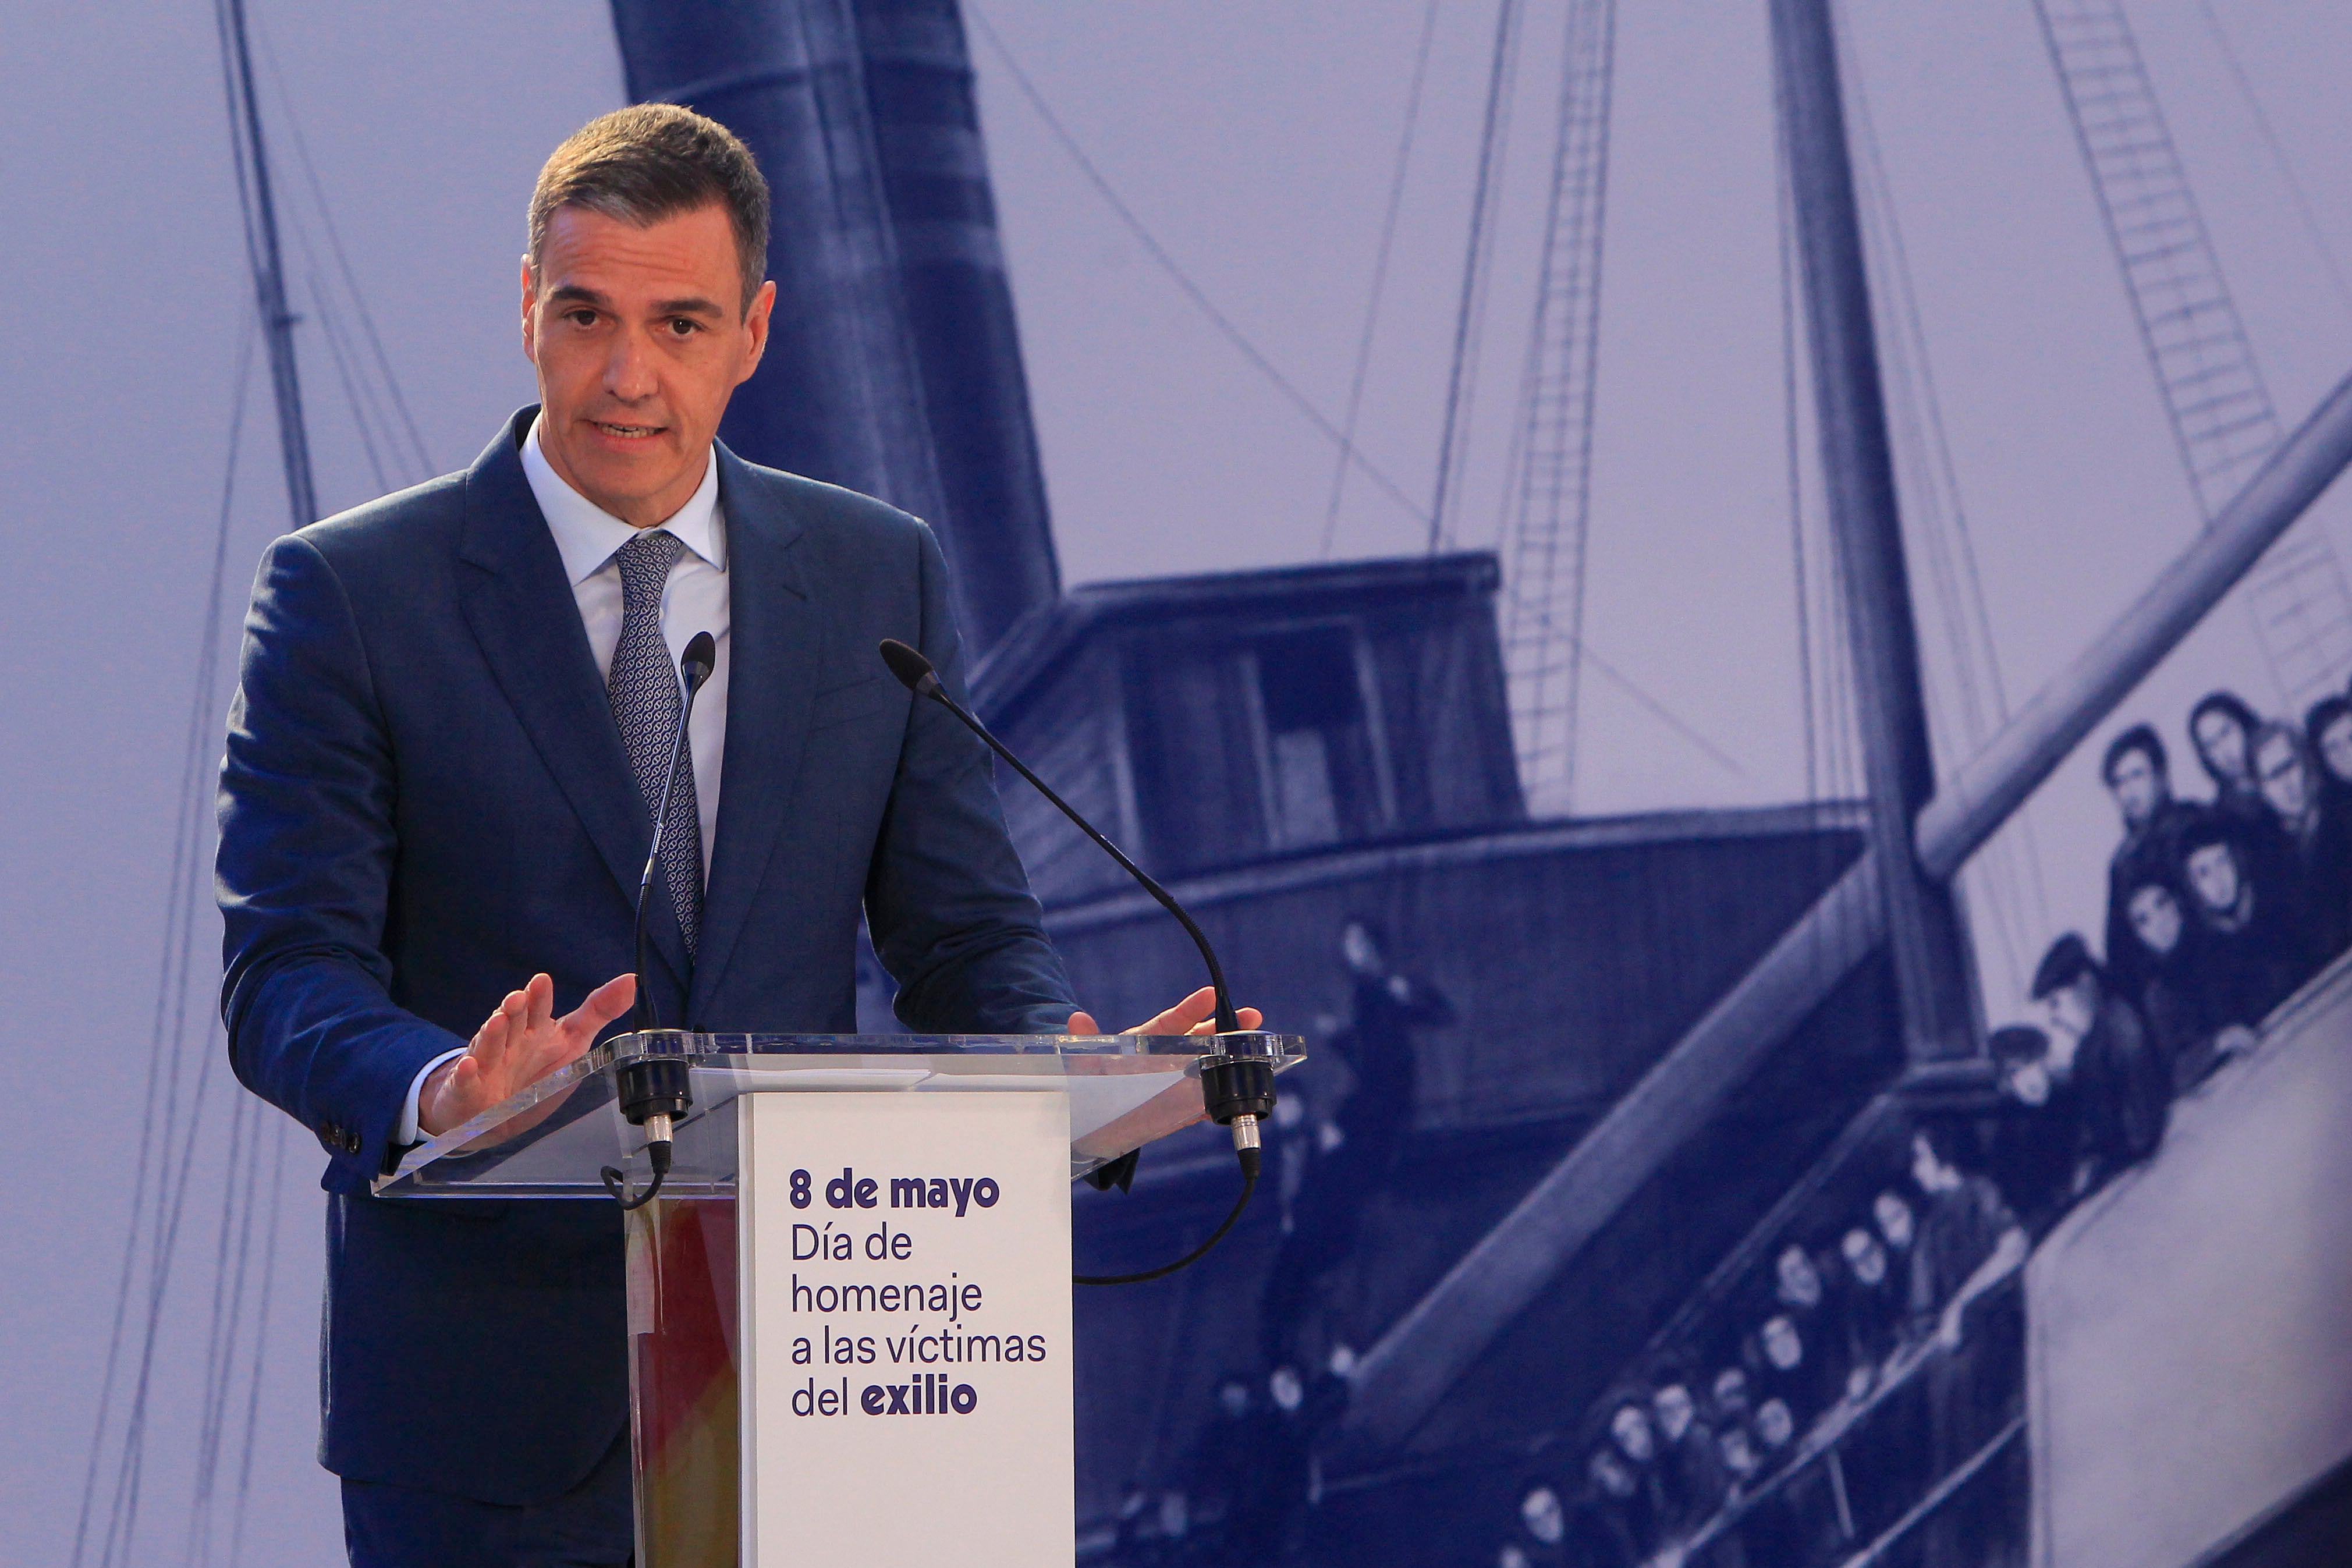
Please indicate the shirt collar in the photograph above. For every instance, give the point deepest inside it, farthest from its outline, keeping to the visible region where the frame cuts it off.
(586, 535)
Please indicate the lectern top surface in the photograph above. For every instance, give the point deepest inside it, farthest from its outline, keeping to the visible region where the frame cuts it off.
(552, 1138)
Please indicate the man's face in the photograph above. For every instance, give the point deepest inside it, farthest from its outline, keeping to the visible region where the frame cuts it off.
(1545, 1518)
(1894, 1217)
(1675, 1410)
(1775, 1425)
(1738, 1454)
(1863, 1257)
(2155, 919)
(2074, 1007)
(2278, 768)
(1362, 954)
(1782, 1348)
(2138, 788)
(1286, 1388)
(2028, 1083)
(1610, 1474)
(1730, 1389)
(2213, 873)
(2223, 743)
(640, 336)
(1632, 1430)
(2335, 747)
(1928, 1169)
(1800, 1281)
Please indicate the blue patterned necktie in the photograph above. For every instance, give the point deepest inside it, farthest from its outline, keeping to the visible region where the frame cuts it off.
(647, 698)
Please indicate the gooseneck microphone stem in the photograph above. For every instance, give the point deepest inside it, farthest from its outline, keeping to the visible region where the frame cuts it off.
(1236, 1089)
(640, 1016)
(653, 1092)
(923, 681)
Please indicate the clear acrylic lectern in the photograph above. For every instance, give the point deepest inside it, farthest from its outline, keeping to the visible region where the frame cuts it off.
(849, 1307)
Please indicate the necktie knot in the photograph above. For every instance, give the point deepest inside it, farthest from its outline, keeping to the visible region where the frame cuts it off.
(645, 562)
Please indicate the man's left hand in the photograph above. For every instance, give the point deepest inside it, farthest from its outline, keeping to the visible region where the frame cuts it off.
(1196, 1014)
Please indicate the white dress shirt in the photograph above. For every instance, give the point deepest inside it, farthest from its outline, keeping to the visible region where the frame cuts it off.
(694, 600)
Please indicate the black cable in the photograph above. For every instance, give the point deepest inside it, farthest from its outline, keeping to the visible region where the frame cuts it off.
(657, 1152)
(1249, 1160)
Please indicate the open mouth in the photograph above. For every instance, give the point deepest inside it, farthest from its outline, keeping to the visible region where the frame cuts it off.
(627, 432)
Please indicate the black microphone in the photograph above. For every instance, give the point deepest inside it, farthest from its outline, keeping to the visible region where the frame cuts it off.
(1237, 1089)
(653, 1091)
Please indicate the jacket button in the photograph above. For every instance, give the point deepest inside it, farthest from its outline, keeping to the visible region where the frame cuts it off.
(351, 1143)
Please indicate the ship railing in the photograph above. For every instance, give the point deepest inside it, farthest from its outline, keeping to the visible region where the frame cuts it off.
(1823, 1445)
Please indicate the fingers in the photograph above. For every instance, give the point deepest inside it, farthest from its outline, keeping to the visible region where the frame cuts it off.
(490, 1042)
(1181, 1018)
(1083, 1022)
(1243, 1018)
(1196, 1014)
(600, 1008)
(612, 998)
(539, 1002)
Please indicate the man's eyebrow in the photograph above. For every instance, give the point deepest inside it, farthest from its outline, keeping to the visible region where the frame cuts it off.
(687, 305)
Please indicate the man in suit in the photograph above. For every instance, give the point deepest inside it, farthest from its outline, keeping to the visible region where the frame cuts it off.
(453, 718)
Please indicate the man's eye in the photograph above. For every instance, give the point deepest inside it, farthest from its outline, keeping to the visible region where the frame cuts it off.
(580, 317)
(682, 327)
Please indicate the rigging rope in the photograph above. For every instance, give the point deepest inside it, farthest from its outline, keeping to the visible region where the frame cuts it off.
(2278, 154)
(152, 1234)
(1461, 389)
(398, 428)
(2223, 421)
(1167, 263)
(1380, 276)
(1973, 695)
(184, 1051)
(1547, 524)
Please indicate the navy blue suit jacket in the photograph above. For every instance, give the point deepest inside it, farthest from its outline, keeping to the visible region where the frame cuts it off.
(425, 800)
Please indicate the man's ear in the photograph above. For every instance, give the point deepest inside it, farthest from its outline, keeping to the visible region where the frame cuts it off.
(755, 325)
(529, 313)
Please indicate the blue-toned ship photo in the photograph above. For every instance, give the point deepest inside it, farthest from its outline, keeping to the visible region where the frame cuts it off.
(1832, 1175)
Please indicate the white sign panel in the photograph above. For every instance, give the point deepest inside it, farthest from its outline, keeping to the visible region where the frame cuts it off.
(907, 1377)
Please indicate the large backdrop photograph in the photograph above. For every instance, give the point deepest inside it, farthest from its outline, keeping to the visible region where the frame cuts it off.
(1739, 610)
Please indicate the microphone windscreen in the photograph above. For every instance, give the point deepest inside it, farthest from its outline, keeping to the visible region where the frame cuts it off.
(907, 665)
(701, 656)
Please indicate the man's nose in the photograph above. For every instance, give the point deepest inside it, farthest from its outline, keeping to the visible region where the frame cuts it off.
(629, 369)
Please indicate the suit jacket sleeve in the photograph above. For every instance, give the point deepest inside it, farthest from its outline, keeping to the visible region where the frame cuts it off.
(307, 850)
(946, 899)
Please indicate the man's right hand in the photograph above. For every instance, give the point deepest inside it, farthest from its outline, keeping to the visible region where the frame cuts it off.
(520, 1044)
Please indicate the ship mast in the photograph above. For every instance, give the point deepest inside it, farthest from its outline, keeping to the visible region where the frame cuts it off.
(1924, 933)
(277, 319)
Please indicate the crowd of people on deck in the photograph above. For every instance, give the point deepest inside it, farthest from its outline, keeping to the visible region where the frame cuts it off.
(1865, 1384)
(1730, 1451)
(1879, 1365)
(2217, 909)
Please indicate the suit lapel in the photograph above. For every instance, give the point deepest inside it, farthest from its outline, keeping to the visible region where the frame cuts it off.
(520, 606)
(775, 642)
